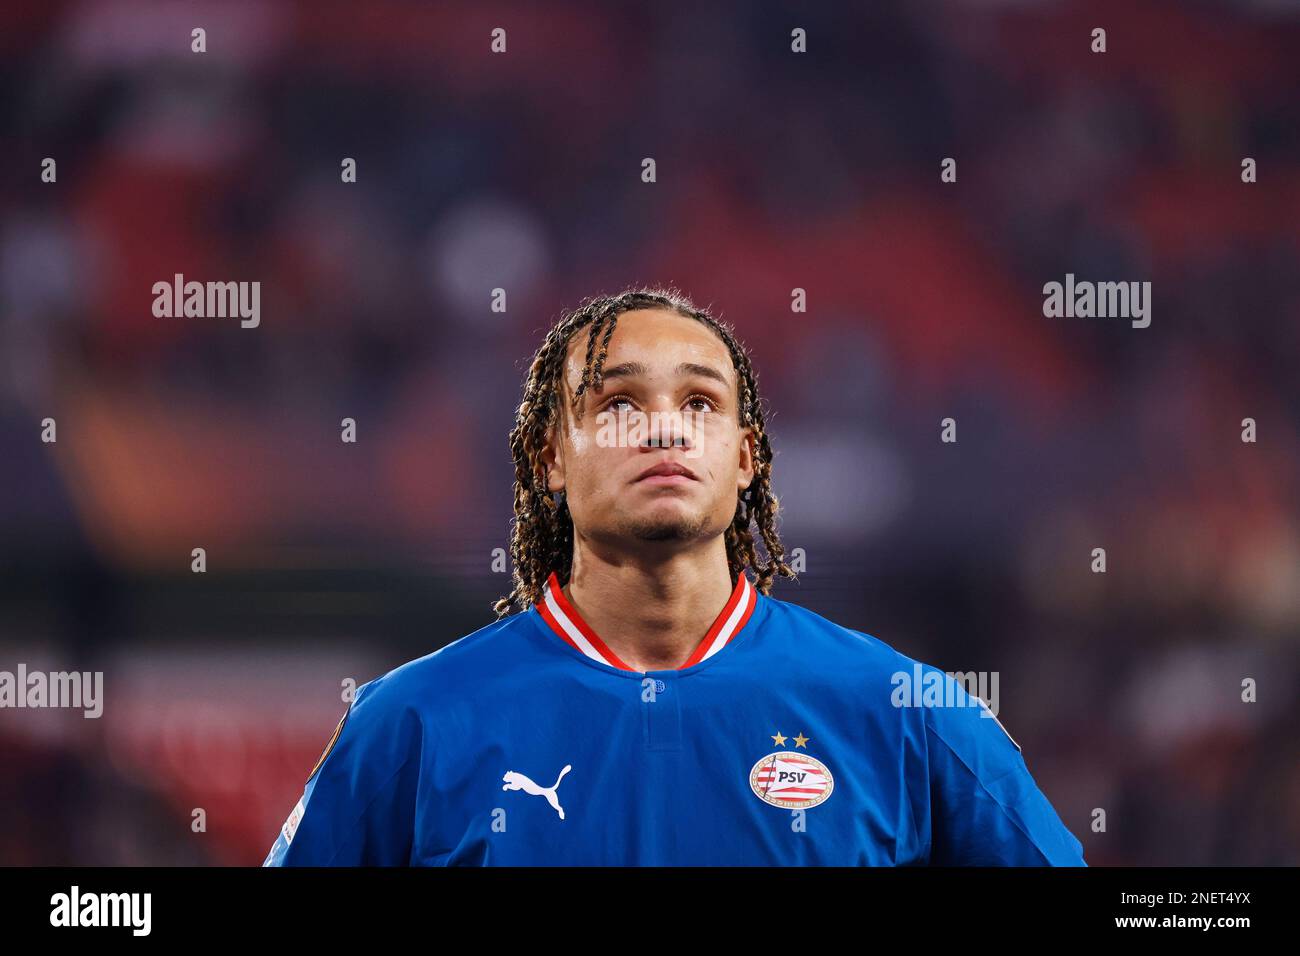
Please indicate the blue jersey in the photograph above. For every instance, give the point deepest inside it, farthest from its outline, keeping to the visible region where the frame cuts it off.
(783, 740)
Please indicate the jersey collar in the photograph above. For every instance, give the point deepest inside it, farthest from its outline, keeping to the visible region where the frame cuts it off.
(561, 617)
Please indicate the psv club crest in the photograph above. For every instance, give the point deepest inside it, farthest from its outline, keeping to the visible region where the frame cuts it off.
(792, 780)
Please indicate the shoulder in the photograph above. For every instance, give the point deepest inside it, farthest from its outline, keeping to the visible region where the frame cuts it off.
(390, 715)
(458, 666)
(830, 647)
(390, 720)
(888, 678)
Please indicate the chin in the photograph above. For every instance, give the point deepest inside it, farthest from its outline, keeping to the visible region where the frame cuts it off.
(667, 527)
(662, 533)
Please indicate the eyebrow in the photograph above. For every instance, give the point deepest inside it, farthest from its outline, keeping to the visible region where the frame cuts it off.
(632, 369)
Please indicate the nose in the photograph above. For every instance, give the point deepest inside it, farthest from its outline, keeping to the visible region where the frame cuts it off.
(667, 427)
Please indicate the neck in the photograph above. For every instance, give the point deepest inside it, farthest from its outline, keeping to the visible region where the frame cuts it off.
(651, 611)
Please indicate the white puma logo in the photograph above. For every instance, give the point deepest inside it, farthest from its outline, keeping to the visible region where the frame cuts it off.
(517, 781)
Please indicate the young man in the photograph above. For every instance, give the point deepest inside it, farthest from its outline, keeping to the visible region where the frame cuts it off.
(651, 704)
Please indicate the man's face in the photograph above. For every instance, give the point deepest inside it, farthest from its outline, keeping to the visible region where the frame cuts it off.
(658, 363)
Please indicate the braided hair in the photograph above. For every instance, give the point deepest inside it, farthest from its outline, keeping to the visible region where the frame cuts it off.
(541, 538)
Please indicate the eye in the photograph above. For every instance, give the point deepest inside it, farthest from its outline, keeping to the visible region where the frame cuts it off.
(613, 401)
(709, 404)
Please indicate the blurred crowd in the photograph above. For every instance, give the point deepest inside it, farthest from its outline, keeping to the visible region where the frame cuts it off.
(775, 170)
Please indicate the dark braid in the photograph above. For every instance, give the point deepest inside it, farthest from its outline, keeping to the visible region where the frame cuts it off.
(541, 538)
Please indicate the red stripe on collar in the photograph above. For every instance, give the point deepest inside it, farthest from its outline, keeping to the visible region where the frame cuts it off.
(561, 617)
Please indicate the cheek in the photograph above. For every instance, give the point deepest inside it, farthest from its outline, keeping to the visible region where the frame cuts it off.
(579, 442)
(588, 463)
(581, 451)
(718, 454)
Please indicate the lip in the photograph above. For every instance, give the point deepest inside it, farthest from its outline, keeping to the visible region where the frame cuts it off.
(666, 473)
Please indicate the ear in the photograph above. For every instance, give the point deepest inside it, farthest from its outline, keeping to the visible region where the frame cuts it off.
(552, 457)
(745, 473)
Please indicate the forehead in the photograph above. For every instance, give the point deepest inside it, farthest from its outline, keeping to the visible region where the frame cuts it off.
(658, 339)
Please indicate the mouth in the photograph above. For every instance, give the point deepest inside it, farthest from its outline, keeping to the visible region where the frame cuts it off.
(666, 473)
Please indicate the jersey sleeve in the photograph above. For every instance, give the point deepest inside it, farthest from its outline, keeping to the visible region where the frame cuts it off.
(986, 809)
(358, 805)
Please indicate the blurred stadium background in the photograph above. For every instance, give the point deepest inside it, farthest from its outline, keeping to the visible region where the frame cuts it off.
(329, 561)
